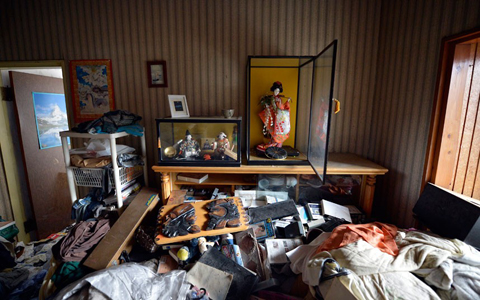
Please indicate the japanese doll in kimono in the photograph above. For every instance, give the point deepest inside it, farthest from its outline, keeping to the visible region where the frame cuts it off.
(220, 144)
(275, 116)
(189, 148)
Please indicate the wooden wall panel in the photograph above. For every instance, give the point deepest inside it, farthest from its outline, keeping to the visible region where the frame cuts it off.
(454, 116)
(409, 45)
(468, 158)
(205, 44)
(388, 52)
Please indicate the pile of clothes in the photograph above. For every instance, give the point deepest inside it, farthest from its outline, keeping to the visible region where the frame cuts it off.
(111, 122)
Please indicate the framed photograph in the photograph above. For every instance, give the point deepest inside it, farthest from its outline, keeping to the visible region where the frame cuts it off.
(50, 117)
(178, 106)
(92, 88)
(157, 73)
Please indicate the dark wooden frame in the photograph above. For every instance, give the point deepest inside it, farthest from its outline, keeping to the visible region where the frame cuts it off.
(163, 65)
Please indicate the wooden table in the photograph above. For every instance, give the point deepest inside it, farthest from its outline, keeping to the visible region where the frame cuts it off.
(338, 164)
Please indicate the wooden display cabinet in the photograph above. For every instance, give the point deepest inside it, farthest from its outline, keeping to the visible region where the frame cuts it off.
(338, 164)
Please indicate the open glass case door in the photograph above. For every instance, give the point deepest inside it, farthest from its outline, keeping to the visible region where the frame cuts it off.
(321, 108)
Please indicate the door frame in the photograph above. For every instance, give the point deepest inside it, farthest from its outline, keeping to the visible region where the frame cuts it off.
(6, 140)
(441, 98)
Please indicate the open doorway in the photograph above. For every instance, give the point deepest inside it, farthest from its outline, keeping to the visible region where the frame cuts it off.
(16, 174)
(453, 157)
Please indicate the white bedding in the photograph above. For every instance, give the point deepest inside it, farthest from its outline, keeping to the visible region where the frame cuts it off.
(442, 262)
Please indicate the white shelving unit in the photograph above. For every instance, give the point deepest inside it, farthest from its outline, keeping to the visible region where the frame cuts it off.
(117, 172)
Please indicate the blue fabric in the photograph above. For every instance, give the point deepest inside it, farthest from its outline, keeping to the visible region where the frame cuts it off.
(83, 209)
(135, 129)
(29, 289)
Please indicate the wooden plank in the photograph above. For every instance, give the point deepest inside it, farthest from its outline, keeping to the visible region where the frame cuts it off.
(466, 142)
(444, 173)
(338, 164)
(121, 235)
(474, 106)
(476, 188)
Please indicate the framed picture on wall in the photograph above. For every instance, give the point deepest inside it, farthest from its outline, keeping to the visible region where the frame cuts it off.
(157, 73)
(178, 106)
(92, 88)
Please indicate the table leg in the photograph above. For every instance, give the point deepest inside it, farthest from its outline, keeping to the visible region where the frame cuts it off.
(369, 192)
(166, 186)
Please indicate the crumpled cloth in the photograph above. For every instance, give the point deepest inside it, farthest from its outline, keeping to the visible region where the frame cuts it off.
(109, 122)
(81, 240)
(97, 162)
(129, 160)
(449, 265)
(10, 280)
(379, 235)
(129, 281)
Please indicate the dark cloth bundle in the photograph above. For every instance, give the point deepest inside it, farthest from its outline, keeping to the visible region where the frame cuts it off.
(81, 240)
(109, 122)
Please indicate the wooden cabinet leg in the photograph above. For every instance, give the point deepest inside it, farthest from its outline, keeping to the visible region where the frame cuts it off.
(166, 186)
(369, 192)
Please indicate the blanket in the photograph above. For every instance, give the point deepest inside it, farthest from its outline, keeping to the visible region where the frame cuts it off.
(448, 265)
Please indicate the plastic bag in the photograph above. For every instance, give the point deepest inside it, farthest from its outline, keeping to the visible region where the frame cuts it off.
(131, 281)
(98, 147)
(101, 147)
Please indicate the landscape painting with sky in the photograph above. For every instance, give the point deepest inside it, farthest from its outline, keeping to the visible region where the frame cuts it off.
(51, 118)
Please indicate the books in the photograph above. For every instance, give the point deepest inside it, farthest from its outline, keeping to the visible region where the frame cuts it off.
(249, 251)
(313, 210)
(192, 177)
(302, 212)
(243, 280)
(277, 249)
(335, 210)
(263, 229)
(216, 281)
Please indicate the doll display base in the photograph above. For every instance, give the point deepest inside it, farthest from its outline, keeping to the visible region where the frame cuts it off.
(276, 153)
(202, 219)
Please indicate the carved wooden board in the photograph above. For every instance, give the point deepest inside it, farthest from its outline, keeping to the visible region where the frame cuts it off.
(202, 219)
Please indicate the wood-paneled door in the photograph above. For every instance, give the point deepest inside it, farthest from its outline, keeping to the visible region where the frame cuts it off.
(455, 161)
(44, 168)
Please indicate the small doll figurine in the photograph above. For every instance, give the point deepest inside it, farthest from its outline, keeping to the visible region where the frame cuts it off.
(189, 148)
(220, 145)
(207, 145)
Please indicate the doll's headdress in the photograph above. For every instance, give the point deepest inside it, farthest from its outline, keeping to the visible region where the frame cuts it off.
(277, 85)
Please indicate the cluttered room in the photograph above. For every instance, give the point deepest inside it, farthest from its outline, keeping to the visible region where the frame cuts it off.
(239, 150)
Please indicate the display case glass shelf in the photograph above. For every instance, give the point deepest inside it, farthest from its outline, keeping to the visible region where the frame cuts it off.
(199, 141)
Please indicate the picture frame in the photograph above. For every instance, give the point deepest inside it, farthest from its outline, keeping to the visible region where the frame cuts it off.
(92, 88)
(50, 117)
(178, 106)
(157, 74)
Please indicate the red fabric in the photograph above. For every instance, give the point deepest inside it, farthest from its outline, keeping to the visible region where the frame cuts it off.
(379, 235)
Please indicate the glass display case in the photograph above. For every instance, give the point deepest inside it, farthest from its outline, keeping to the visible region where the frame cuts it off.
(199, 141)
(289, 104)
